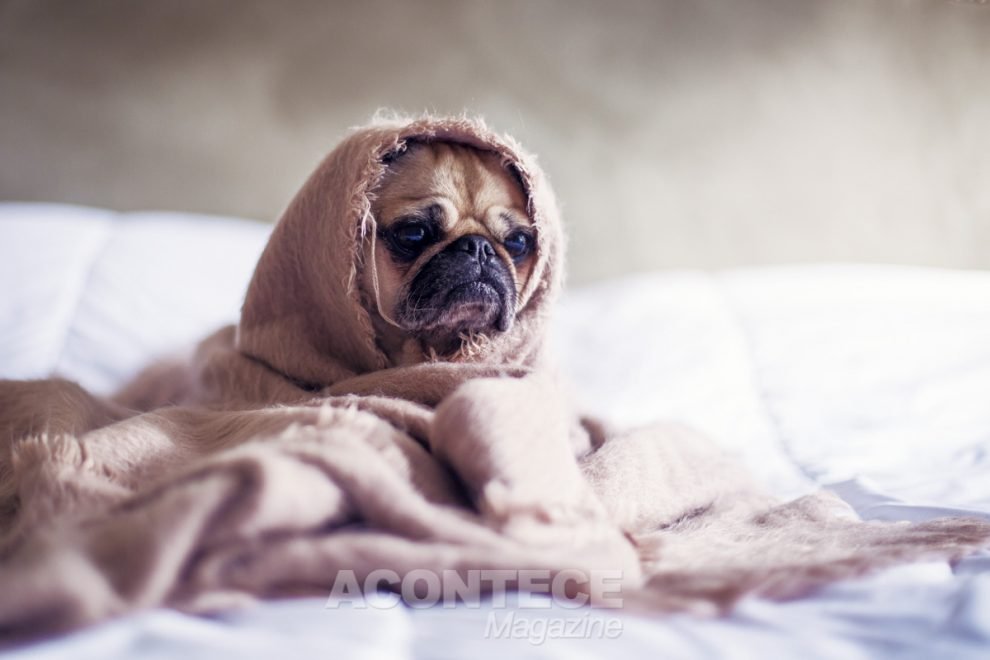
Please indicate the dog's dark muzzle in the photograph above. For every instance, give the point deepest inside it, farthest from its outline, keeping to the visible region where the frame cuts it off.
(466, 286)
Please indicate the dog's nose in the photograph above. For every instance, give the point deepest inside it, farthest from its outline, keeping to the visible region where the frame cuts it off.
(476, 245)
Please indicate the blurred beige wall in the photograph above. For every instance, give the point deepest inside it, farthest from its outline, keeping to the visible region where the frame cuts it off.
(677, 133)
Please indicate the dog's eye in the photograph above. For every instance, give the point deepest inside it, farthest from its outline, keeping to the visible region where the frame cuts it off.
(518, 244)
(411, 235)
(407, 239)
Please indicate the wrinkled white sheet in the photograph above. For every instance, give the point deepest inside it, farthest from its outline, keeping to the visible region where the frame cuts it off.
(872, 380)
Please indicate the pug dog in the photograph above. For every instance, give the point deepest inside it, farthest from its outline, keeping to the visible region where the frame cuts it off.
(453, 249)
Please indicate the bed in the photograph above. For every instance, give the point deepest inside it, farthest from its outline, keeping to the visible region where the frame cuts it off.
(872, 381)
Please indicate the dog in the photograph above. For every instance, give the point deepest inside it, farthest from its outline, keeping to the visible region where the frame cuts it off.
(453, 249)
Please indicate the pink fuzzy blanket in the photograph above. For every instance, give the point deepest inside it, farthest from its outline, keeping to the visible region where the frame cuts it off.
(288, 450)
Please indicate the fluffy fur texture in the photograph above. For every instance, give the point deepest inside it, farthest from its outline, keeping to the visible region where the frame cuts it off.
(291, 447)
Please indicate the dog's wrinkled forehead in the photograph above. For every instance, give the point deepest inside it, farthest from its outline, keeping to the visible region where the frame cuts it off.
(452, 182)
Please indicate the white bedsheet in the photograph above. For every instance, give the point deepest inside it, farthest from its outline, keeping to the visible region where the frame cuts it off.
(872, 380)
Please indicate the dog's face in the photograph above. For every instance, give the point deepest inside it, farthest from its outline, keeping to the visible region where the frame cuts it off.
(455, 245)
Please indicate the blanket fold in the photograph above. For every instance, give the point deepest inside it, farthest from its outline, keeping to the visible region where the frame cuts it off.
(288, 451)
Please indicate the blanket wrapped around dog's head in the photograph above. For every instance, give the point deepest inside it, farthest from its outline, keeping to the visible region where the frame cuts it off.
(288, 453)
(306, 316)
(306, 321)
